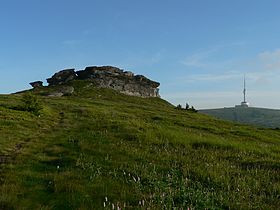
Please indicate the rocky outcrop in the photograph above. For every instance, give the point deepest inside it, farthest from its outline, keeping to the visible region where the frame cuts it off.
(62, 77)
(36, 84)
(110, 77)
(122, 81)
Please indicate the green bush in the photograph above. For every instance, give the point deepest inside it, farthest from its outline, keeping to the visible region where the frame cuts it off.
(31, 103)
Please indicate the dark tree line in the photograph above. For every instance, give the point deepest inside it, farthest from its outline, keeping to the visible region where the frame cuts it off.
(187, 107)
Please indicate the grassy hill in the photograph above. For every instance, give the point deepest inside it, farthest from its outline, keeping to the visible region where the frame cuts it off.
(98, 149)
(251, 115)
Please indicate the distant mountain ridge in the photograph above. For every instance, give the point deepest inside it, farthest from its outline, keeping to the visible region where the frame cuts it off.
(251, 115)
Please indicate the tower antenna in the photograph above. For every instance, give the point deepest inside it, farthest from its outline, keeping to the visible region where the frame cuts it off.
(244, 90)
(244, 103)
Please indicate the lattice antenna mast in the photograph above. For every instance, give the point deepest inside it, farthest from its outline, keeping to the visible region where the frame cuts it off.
(244, 90)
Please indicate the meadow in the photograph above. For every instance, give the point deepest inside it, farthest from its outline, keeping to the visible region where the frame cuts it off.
(99, 149)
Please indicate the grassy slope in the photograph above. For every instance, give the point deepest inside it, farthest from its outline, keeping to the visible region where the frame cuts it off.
(100, 148)
(252, 115)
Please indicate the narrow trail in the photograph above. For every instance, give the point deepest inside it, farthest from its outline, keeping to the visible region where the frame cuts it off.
(10, 158)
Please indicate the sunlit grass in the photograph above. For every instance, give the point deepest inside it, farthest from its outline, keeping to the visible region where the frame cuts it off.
(99, 149)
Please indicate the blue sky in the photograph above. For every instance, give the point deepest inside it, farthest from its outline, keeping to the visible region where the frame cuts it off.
(198, 50)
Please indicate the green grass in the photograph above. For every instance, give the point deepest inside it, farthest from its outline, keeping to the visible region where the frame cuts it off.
(98, 147)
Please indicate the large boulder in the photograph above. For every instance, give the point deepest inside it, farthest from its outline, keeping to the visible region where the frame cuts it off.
(62, 77)
(96, 71)
(123, 81)
(145, 81)
(62, 91)
(36, 84)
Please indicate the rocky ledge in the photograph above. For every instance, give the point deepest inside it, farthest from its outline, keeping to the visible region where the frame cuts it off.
(109, 77)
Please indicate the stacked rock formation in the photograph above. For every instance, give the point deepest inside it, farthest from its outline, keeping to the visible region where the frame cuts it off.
(109, 77)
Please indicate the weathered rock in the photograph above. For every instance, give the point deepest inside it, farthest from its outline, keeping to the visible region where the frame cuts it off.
(62, 77)
(122, 81)
(67, 90)
(144, 80)
(62, 91)
(55, 94)
(93, 71)
(128, 74)
(36, 84)
(110, 77)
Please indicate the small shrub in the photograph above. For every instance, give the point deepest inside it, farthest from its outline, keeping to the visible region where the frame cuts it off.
(188, 108)
(179, 107)
(31, 104)
(193, 109)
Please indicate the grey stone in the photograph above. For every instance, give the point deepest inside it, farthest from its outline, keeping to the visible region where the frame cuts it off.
(62, 77)
(36, 84)
(62, 91)
(110, 77)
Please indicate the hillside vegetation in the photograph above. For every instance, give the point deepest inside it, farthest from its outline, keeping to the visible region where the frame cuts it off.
(251, 115)
(98, 149)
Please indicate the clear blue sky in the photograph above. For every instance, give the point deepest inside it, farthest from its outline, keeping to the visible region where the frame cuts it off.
(198, 49)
